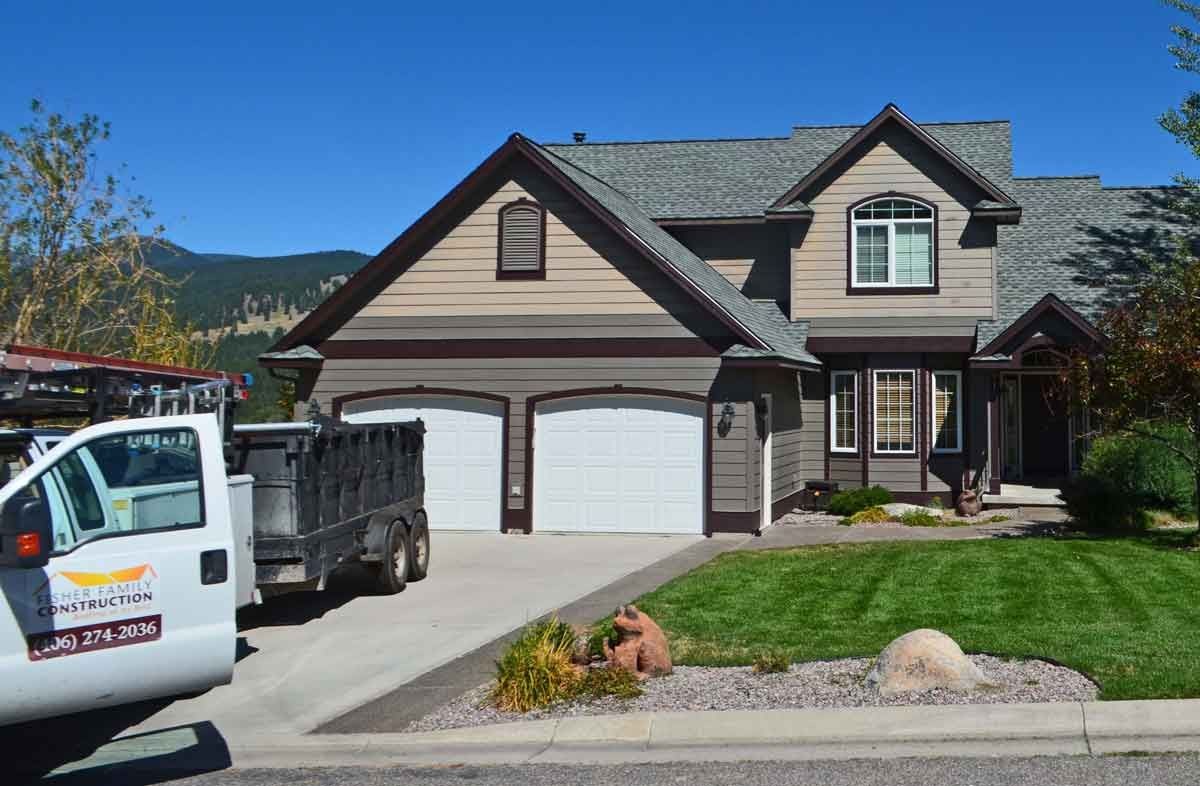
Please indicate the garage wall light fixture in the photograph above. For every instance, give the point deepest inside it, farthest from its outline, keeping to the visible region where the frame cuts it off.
(726, 421)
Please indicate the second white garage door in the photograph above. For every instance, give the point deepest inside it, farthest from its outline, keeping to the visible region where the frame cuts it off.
(619, 464)
(462, 454)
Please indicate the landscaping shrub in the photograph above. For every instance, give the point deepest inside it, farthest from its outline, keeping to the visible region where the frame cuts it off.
(936, 502)
(1145, 470)
(773, 662)
(869, 516)
(851, 501)
(919, 518)
(601, 632)
(1100, 503)
(536, 669)
(609, 681)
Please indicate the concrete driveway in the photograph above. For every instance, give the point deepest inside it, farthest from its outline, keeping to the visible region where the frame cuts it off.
(310, 657)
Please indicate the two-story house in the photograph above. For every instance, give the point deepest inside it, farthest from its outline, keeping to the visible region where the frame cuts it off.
(675, 336)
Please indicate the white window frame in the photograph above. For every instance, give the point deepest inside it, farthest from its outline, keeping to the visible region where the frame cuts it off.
(891, 223)
(833, 423)
(958, 437)
(875, 413)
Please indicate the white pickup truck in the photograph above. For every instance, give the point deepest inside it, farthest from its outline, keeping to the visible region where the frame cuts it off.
(126, 548)
(120, 564)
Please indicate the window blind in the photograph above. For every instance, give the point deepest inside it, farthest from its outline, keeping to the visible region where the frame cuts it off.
(914, 254)
(894, 395)
(946, 411)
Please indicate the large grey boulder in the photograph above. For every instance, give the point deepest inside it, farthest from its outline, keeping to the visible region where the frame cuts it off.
(925, 660)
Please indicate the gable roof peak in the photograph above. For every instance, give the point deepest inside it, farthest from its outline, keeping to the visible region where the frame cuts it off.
(891, 112)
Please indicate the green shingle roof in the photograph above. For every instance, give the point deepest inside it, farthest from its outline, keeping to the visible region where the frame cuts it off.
(728, 178)
(1079, 241)
(769, 325)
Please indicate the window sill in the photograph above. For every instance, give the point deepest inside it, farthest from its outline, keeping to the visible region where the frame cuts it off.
(861, 290)
(520, 275)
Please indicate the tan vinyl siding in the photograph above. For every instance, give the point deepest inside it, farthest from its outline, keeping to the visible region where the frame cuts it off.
(895, 162)
(513, 327)
(589, 270)
(753, 258)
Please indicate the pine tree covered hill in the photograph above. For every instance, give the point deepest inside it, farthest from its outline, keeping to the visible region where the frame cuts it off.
(222, 290)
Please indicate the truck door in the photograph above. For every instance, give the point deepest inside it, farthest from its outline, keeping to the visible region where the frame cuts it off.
(135, 598)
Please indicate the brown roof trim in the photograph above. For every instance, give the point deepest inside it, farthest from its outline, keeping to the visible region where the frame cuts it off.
(1050, 302)
(855, 344)
(519, 348)
(892, 112)
(331, 314)
(791, 365)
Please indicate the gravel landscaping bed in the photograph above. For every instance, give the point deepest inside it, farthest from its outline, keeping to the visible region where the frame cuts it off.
(819, 684)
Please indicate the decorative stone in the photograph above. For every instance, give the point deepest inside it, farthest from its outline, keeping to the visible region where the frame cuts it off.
(925, 660)
(968, 503)
(898, 509)
(641, 645)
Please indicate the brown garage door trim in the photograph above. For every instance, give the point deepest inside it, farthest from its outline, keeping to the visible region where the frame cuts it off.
(526, 517)
(421, 390)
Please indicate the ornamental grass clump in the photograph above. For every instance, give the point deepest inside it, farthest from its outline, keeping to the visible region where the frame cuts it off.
(609, 681)
(875, 515)
(536, 669)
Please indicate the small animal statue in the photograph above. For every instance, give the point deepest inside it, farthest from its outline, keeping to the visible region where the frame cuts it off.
(968, 503)
(641, 645)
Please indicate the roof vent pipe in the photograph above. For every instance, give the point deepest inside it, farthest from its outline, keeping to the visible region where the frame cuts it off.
(580, 137)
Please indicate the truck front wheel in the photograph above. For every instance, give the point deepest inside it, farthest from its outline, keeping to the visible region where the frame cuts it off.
(393, 570)
(418, 554)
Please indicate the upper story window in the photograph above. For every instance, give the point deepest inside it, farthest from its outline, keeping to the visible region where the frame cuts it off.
(892, 245)
(521, 247)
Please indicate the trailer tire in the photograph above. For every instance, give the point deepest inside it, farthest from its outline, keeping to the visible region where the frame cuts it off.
(393, 570)
(418, 552)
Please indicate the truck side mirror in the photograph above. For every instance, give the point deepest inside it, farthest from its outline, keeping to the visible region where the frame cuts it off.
(26, 537)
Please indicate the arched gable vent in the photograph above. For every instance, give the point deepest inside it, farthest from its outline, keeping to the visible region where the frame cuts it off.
(522, 242)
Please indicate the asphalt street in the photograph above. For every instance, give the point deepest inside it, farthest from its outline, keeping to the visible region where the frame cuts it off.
(1049, 771)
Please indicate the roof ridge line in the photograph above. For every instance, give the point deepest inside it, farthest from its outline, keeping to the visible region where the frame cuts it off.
(932, 123)
(1058, 177)
(669, 141)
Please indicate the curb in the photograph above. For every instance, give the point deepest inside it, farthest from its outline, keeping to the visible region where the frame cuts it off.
(1093, 728)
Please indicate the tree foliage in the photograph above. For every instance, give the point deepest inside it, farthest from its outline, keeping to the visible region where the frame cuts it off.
(73, 246)
(1148, 377)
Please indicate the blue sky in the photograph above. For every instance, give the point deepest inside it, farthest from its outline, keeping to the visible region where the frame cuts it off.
(271, 129)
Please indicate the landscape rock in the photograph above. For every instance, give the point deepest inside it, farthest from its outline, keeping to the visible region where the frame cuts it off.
(925, 660)
(897, 509)
(641, 645)
(968, 503)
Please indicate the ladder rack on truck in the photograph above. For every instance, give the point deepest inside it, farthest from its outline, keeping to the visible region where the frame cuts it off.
(37, 383)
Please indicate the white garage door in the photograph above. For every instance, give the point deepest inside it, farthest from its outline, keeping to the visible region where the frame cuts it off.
(619, 464)
(462, 454)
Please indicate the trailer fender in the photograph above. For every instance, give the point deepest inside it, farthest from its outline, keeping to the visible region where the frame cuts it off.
(375, 538)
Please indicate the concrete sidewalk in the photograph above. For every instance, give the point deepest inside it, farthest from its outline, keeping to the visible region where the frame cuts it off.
(1094, 728)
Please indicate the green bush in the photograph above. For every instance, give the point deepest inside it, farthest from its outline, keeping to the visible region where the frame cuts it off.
(1099, 503)
(773, 662)
(600, 633)
(851, 501)
(919, 518)
(609, 681)
(867, 516)
(1146, 471)
(936, 502)
(536, 669)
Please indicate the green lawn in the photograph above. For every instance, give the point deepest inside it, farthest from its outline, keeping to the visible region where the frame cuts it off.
(1124, 611)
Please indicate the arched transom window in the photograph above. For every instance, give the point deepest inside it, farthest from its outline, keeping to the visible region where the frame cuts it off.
(892, 244)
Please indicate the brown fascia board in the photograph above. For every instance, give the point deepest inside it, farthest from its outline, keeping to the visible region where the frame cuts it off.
(1050, 302)
(892, 112)
(352, 296)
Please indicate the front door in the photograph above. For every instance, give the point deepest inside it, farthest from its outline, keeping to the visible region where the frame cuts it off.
(136, 600)
(1044, 429)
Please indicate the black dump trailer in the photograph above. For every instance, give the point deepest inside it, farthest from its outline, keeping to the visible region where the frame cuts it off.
(328, 493)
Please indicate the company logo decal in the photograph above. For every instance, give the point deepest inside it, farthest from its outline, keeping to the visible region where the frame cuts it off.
(83, 595)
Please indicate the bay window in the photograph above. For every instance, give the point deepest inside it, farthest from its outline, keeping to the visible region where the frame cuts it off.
(843, 412)
(895, 411)
(946, 402)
